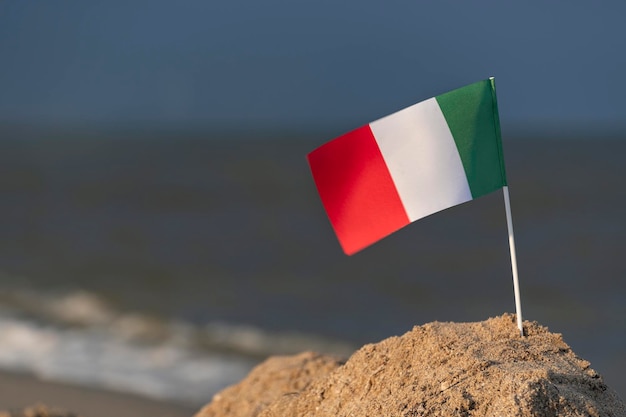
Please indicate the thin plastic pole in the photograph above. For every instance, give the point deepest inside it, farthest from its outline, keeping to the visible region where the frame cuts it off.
(509, 223)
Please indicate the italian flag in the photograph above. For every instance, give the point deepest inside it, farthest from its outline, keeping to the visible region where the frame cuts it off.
(428, 157)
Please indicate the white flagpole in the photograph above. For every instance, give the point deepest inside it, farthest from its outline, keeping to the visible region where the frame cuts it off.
(509, 223)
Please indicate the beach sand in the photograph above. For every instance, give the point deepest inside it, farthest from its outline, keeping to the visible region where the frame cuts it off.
(480, 369)
(18, 391)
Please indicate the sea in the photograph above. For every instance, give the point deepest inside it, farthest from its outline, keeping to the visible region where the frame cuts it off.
(170, 263)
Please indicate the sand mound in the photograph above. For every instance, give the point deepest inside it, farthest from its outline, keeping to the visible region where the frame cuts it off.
(439, 369)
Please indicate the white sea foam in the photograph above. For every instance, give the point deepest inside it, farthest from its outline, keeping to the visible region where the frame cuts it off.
(78, 338)
(94, 358)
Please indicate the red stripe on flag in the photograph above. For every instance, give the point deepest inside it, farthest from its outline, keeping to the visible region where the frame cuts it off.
(357, 190)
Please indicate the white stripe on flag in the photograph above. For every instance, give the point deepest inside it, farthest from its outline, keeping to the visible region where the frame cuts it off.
(422, 158)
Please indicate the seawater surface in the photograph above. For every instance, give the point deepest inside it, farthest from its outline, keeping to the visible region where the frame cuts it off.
(170, 265)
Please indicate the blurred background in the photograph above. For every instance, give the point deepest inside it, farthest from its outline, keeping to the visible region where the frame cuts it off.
(159, 229)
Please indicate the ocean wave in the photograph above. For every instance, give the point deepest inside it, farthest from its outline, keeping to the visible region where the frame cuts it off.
(86, 310)
(163, 371)
(78, 337)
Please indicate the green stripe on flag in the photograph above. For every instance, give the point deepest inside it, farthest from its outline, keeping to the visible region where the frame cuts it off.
(472, 116)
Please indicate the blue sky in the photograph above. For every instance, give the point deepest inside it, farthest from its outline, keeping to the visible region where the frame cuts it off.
(560, 65)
